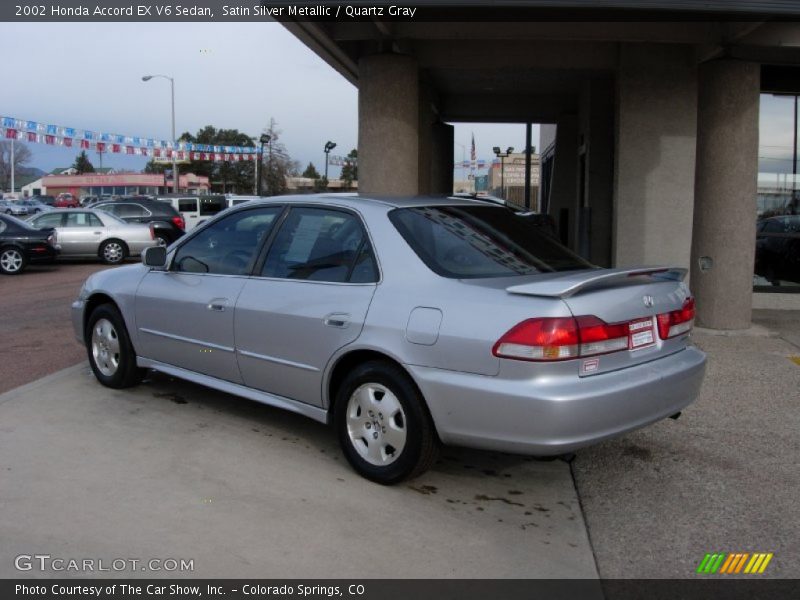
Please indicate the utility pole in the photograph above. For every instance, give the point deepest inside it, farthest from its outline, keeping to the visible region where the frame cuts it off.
(502, 156)
(13, 166)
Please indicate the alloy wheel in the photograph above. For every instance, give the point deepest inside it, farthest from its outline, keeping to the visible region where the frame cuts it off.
(105, 347)
(11, 260)
(112, 252)
(376, 424)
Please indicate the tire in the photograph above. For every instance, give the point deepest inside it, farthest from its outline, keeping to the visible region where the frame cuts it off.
(12, 261)
(379, 397)
(113, 252)
(163, 238)
(111, 354)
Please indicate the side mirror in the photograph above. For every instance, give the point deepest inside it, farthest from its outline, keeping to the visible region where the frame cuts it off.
(155, 257)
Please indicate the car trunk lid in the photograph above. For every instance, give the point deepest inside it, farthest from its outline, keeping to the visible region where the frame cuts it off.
(641, 305)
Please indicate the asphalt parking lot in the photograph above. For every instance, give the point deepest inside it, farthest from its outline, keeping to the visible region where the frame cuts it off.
(171, 469)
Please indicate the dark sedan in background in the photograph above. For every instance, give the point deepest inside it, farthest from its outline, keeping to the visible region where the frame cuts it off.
(778, 249)
(168, 224)
(21, 244)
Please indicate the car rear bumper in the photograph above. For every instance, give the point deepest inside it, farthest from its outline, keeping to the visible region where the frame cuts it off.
(554, 415)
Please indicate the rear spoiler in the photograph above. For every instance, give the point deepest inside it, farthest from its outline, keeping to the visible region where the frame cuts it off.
(572, 283)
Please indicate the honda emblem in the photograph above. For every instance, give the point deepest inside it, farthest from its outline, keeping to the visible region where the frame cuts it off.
(648, 301)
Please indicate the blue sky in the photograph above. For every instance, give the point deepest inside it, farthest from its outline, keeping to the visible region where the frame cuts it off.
(231, 75)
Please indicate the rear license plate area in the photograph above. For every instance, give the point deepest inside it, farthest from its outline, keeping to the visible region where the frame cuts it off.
(641, 334)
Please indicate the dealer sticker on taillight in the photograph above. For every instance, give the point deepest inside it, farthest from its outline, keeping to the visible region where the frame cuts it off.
(641, 334)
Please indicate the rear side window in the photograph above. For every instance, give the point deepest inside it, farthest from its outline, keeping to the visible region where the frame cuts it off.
(468, 242)
(189, 205)
(130, 210)
(318, 244)
(82, 220)
(211, 206)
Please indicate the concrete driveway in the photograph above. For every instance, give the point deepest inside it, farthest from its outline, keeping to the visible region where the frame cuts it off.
(174, 470)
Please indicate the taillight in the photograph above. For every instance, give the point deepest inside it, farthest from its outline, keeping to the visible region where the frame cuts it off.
(179, 222)
(152, 231)
(548, 338)
(562, 338)
(598, 337)
(52, 239)
(676, 322)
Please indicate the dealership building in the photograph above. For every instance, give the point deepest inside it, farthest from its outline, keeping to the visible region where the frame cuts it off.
(115, 184)
(649, 122)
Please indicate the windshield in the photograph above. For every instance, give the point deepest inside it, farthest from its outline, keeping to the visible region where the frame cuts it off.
(467, 242)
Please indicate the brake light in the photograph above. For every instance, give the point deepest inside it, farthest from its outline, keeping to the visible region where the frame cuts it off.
(598, 337)
(676, 322)
(152, 231)
(179, 222)
(549, 338)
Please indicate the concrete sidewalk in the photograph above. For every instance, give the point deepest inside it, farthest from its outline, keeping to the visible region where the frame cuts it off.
(723, 478)
(174, 470)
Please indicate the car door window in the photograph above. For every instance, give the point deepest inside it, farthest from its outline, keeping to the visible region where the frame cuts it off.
(319, 244)
(229, 246)
(79, 219)
(52, 220)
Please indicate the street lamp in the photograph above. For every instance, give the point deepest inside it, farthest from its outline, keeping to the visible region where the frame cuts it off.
(502, 156)
(174, 141)
(264, 139)
(328, 147)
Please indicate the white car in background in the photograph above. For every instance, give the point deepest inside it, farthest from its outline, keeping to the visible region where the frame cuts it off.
(86, 233)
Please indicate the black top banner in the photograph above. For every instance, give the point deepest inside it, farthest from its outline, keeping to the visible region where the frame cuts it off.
(419, 11)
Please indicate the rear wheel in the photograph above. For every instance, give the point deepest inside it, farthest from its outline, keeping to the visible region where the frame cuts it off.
(383, 424)
(162, 238)
(113, 251)
(111, 354)
(12, 261)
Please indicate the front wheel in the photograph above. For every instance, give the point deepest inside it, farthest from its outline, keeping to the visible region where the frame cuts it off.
(12, 261)
(383, 424)
(111, 354)
(113, 251)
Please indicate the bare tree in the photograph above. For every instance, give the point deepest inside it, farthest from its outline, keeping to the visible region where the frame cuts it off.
(22, 156)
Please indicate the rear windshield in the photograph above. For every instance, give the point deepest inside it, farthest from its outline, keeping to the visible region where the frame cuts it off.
(468, 242)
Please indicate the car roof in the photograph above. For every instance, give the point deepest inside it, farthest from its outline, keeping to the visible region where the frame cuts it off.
(358, 200)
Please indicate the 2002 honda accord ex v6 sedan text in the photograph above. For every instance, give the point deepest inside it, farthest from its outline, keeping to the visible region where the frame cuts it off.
(404, 322)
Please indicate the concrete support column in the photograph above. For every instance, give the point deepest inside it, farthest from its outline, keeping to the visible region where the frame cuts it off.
(388, 125)
(656, 128)
(442, 154)
(723, 247)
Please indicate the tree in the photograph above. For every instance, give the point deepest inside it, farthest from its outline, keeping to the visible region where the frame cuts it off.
(321, 184)
(237, 177)
(82, 164)
(22, 156)
(350, 169)
(277, 163)
(311, 172)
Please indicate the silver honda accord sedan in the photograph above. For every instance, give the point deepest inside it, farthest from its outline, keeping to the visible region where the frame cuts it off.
(405, 323)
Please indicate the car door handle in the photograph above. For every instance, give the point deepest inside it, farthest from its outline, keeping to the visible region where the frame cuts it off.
(340, 320)
(98, 233)
(218, 304)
